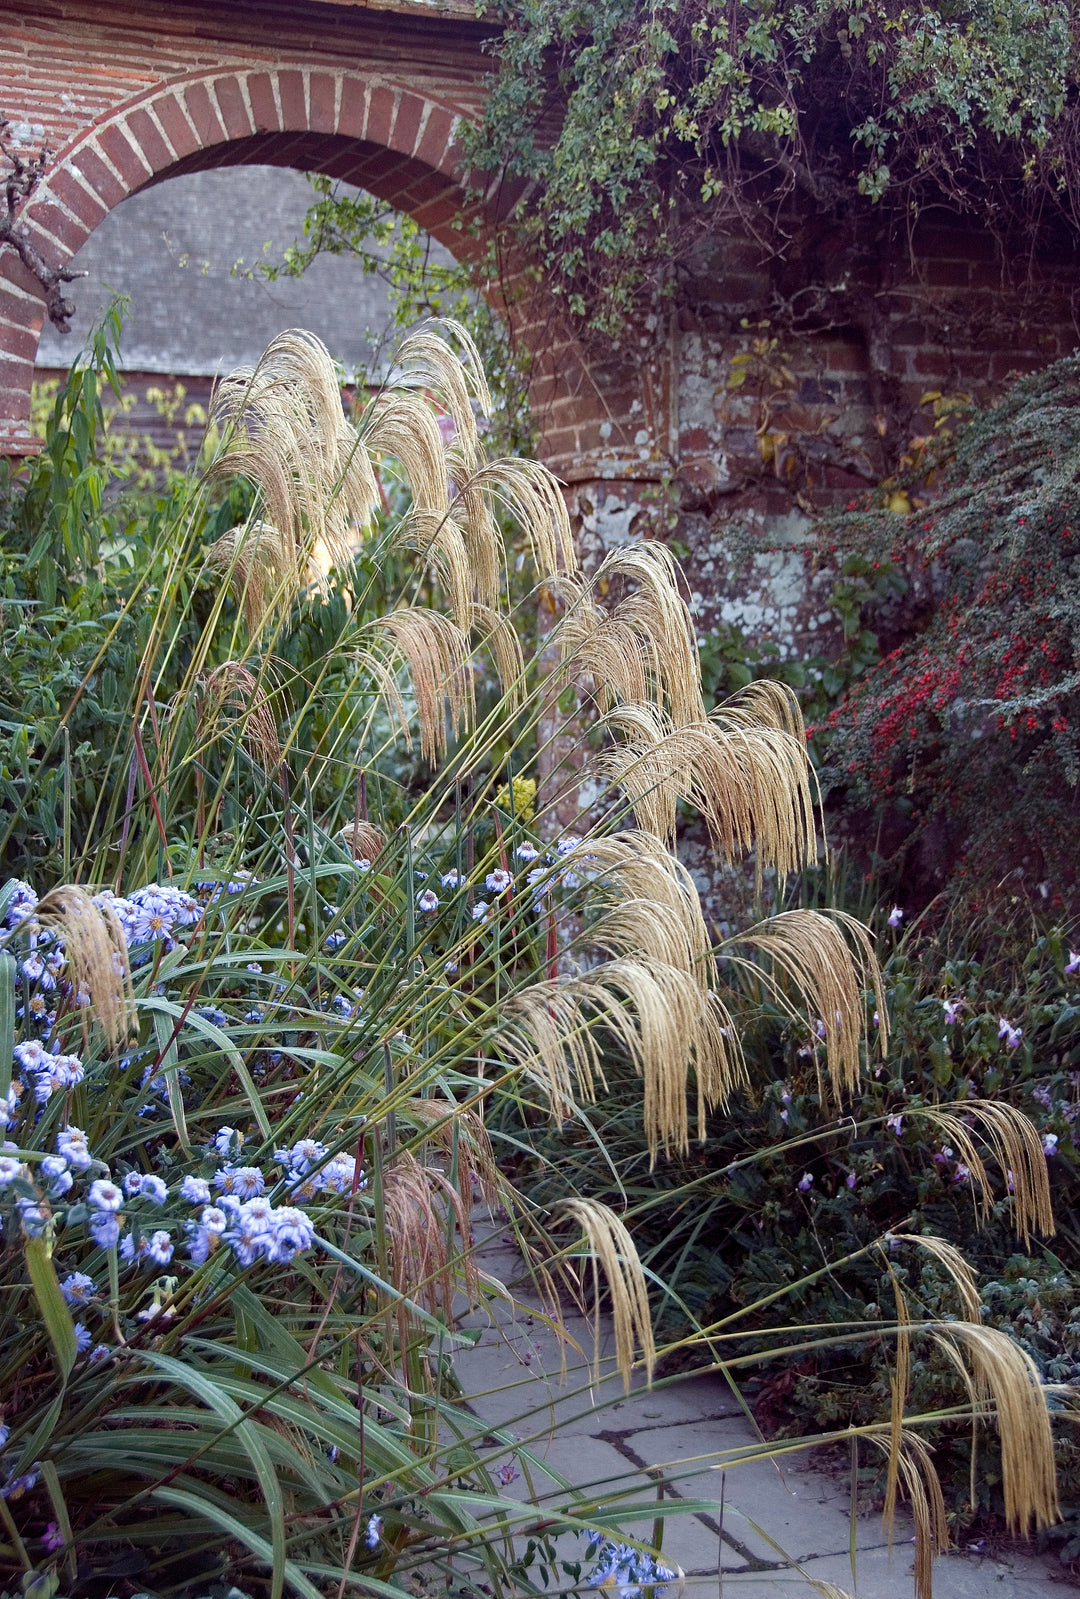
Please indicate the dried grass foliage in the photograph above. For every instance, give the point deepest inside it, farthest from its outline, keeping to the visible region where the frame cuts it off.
(911, 1462)
(829, 960)
(97, 958)
(1016, 1149)
(420, 1203)
(363, 840)
(752, 785)
(437, 655)
(1006, 1382)
(643, 650)
(283, 428)
(612, 1249)
(262, 568)
(657, 1014)
(231, 701)
(633, 872)
(460, 1135)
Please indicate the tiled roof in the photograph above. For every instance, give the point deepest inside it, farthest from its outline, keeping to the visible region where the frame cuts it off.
(171, 248)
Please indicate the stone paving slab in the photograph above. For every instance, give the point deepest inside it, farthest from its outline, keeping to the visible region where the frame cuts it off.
(881, 1575)
(804, 1511)
(602, 1440)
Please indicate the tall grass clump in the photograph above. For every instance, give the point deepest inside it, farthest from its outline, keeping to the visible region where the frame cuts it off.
(252, 1044)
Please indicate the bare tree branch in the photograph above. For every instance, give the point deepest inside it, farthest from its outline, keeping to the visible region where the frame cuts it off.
(24, 173)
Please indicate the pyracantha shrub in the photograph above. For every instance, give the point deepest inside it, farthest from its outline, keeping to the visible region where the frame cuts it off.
(965, 734)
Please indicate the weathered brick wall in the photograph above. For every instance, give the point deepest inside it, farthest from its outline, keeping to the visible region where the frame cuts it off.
(772, 424)
(132, 93)
(765, 395)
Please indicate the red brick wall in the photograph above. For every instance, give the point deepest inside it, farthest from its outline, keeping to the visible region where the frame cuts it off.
(810, 422)
(132, 93)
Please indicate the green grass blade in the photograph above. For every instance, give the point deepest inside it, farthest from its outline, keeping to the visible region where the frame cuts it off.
(188, 1376)
(199, 1024)
(170, 1067)
(53, 1306)
(207, 1510)
(59, 1503)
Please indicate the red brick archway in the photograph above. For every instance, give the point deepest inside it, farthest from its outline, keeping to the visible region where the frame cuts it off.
(373, 100)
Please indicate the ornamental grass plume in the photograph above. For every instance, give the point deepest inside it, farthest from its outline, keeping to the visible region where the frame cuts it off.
(499, 637)
(911, 1462)
(1007, 1385)
(464, 541)
(441, 543)
(437, 654)
(363, 840)
(372, 973)
(546, 1034)
(516, 960)
(261, 567)
(645, 900)
(810, 950)
(612, 1248)
(1015, 1148)
(426, 1263)
(464, 1143)
(752, 786)
(905, 1455)
(284, 430)
(640, 650)
(231, 700)
(528, 493)
(95, 951)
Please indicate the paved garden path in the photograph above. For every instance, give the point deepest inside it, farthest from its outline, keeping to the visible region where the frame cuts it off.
(603, 1442)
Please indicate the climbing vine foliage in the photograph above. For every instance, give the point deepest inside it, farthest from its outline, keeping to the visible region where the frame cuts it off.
(641, 127)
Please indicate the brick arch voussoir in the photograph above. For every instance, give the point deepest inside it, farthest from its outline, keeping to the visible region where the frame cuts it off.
(368, 130)
(212, 117)
(365, 129)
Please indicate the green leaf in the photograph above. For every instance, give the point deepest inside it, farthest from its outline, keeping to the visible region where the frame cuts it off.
(200, 1024)
(275, 1337)
(247, 1435)
(166, 1043)
(207, 1510)
(53, 1306)
(56, 1494)
(38, 1440)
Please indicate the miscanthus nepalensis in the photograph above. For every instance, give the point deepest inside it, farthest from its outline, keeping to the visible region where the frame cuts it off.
(249, 1068)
